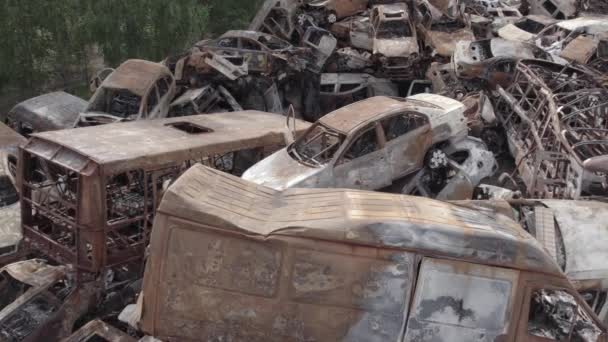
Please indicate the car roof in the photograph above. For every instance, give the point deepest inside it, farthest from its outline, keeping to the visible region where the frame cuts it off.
(49, 111)
(346, 119)
(129, 145)
(136, 75)
(354, 217)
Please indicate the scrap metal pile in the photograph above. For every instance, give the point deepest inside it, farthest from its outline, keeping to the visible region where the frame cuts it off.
(497, 108)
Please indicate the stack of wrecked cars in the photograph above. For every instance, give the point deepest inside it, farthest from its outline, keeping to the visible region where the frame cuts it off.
(341, 170)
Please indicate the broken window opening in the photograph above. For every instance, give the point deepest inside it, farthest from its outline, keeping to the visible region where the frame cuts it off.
(189, 127)
(121, 103)
(393, 29)
(317, 146)
(556, 315)
(365, 144)
(401, 124)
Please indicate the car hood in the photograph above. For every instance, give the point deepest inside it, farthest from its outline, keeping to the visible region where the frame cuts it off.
(396, 47)
(280, 171)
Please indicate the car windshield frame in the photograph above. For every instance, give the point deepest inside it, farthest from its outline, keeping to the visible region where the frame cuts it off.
(303, 151)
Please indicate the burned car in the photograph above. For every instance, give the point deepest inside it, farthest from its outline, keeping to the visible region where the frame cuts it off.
(355, 32)
(365, 145)
(555, 121)
(440, 30)
(10, 212)
(526, 28)
(89, 195)
(276, 17)
(48, 112)
(575, 234)
(136, 90)
(338, 90)
(395, 43)
(558, 9)
(39, 302)
(329, 11)
(208, 99)
(583, 40)
(473, 59)
(235, 261)
(260, 51)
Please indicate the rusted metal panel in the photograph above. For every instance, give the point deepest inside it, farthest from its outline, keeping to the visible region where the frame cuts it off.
(552, 139)
(114, 147)
(104, 182)
(385, 139)
(98, 330)
(136, 90)
(48, 112)
(275, 265)
(136, 75)
(341, 205)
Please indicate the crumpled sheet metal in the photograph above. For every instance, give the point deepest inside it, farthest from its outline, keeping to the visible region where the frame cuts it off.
(35, 272)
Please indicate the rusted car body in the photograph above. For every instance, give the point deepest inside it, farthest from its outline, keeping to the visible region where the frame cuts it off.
(555, 120)
(136, 90)
(582, 40)
(338, 90)
(526, 28)
(440, 31)
(558, 9)
(321, 42)
(231, 260)
(574, 233)
(247, 40)
(98, 331)
(452, 171)
(333, 10)
(260, 51)
(276, 17)
(364, 145)
(39, 302)
(208, 99)
(48, 112)
(97, 188)
(472, 59)
(10, 212)
(395, 43)
(356, 31)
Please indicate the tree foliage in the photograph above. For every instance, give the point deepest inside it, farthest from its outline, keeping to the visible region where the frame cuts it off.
(45, 42)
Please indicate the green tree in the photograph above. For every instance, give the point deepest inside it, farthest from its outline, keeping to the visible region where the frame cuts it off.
(231, 14)
(43, 43)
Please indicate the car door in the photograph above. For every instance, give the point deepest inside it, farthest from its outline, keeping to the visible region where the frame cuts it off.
(461, 301)
(408, 138)
(363, 163)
